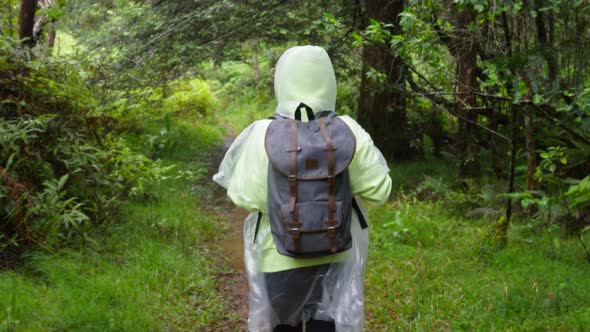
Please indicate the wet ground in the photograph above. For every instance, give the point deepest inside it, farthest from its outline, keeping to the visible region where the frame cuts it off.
(232, 280)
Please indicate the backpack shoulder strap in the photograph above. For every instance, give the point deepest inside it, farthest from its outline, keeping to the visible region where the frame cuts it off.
(359, 212)
(257, 226)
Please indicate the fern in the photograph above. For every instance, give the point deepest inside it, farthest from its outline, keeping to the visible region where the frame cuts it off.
(578, 195)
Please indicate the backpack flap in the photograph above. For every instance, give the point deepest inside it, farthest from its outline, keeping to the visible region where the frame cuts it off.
(312, 164)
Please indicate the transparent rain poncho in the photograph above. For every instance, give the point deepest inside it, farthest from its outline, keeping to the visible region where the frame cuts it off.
(332, 285)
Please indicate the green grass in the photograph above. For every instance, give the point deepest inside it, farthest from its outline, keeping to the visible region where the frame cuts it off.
(240, 113)
(150, 270)
(430, 270)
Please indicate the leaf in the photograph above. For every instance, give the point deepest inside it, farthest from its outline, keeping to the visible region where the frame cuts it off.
(517, 97)
(62, 181)
(527, 202)
(9, 162)
(545, 202)
(4, 63)
(552, 228)
(515, 195)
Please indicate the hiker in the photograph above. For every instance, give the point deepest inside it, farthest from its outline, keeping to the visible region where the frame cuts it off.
(306, 238)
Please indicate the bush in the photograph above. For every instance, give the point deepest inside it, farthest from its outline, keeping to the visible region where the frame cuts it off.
(189, 98)
(60, 167)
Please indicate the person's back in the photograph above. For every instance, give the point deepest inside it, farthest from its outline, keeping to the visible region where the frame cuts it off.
(322, 291)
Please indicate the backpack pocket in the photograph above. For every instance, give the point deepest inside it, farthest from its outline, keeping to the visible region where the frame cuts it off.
(313, 235)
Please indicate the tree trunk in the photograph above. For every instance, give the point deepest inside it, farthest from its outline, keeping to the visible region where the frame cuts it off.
(500, 238)
(496, 159)
(382, 108)
(531, 156)
(26, 21)
(465, 52)
(545, 38)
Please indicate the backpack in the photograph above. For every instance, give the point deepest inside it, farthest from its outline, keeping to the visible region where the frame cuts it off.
(309, 194)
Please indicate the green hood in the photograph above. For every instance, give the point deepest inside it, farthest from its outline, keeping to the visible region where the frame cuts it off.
(304, 74)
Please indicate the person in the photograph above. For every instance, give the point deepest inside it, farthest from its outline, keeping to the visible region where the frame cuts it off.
(287, 293)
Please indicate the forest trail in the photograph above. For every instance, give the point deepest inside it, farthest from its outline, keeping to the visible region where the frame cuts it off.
(232, 280)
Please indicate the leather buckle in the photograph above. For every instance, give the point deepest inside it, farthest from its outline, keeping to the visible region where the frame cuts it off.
(295, 233)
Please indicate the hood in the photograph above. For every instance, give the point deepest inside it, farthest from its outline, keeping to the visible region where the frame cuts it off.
(304, 74)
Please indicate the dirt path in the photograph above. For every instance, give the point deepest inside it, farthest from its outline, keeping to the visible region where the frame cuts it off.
(232, 280)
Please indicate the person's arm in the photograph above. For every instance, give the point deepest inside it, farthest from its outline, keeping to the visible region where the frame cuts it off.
(248, 166)
(369, 173)
(233, 153)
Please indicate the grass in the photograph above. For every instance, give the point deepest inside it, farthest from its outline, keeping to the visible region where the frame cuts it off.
(240, 113)
(151, 270)
(431, 270)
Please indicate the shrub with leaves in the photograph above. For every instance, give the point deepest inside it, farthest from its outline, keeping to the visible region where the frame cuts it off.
(192, 97)
(60, 166)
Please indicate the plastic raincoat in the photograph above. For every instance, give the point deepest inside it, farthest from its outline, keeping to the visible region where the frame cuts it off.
(334, 284)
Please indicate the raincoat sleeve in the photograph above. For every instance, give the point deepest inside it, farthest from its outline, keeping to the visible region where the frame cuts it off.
(243, 171)
(369, 173)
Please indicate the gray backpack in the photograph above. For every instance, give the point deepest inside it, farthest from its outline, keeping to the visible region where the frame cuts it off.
(309, 195)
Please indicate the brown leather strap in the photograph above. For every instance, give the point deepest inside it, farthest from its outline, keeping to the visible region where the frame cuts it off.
(293, 169)
(331, 184)
(295, 231)
(331, 165)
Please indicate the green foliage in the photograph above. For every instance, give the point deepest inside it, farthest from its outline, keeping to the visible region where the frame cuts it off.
(8, 21)
(189, 98)
(551, 159)
(428, 270)
(407, 176)
(149, 270)
(60, 162)
(57, 216)
(105, 148)
(578, 195)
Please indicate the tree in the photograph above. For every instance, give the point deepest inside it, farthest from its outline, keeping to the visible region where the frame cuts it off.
(382, 101)
(26, 22)
(464, 49)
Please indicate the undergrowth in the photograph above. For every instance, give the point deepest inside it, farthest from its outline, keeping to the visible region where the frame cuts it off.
(150, 270)
(431, 267)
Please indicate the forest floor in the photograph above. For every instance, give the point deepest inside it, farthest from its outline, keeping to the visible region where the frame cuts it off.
(431, 268)
(173, 260)
(233, 284)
